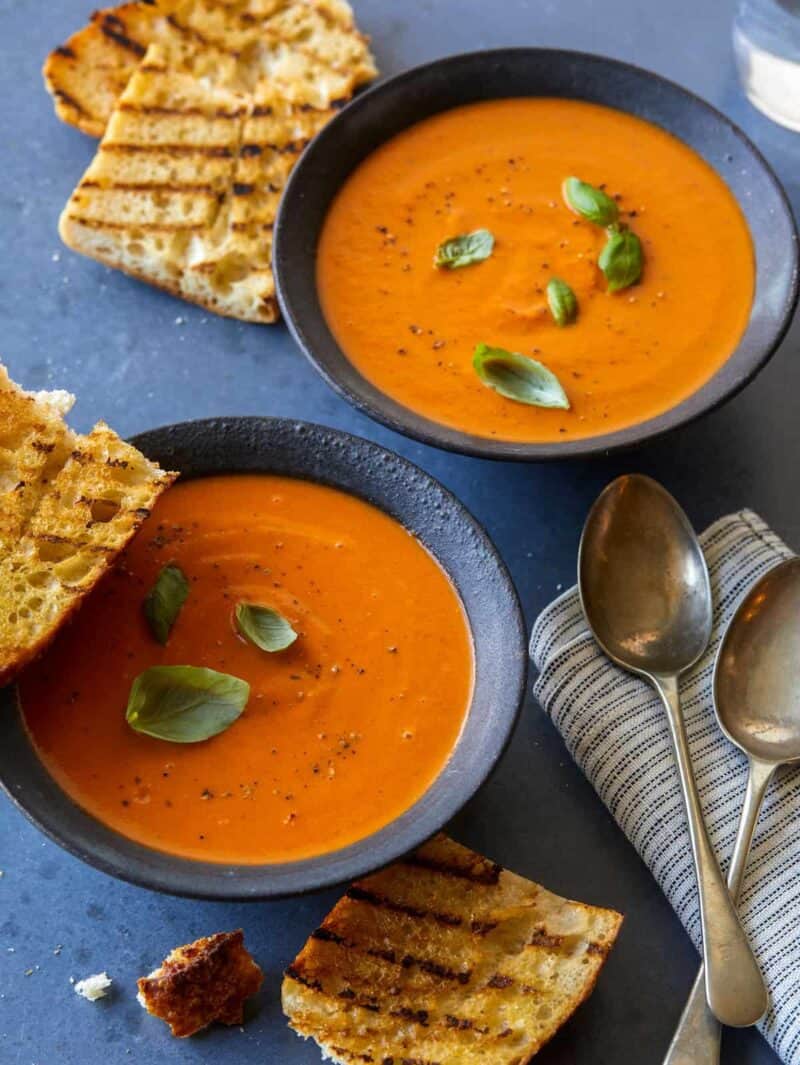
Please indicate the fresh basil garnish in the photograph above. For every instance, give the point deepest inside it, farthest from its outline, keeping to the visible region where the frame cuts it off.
(517, 377)
(562, 301)
(164, 601)
(264, 627)
(185, 704)
(464, 250)
(590, 203)
(621, 259)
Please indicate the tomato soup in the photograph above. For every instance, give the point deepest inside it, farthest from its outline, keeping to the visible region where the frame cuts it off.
(343, 730)
(411, 328)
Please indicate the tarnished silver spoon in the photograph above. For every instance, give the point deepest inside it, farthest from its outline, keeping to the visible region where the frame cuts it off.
(645, 592)
(757, 698)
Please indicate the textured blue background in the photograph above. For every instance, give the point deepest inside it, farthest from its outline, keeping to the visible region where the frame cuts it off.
(68, 322)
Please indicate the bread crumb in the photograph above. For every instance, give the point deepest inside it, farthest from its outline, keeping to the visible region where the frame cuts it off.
(204, 981)
(93, 987)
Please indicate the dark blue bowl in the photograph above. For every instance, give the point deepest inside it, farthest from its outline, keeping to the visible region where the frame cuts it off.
(465, 553)
(391, 106)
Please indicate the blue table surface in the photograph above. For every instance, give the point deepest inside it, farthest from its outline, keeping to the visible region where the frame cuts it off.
(138, 358)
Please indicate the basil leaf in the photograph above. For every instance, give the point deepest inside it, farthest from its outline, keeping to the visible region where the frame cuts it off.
(562, 301)
(164, 601)
(517, 377)
(464, 250)
(185, 704)
(590, 203)
(264, 627)
(621, 260)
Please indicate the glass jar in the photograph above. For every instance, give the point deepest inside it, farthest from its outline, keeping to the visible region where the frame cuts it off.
(766, 42)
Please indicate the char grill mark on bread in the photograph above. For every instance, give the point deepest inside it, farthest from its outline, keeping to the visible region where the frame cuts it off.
(385, 979)
(68, 505)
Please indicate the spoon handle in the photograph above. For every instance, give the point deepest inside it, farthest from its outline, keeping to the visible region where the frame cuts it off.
(696, 1039)
(734, 986)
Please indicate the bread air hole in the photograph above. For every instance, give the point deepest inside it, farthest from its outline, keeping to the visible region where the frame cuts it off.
(103, 510)
(38, 579)
(178, 245)
(231, 268)
(53, 550)
(73, 570)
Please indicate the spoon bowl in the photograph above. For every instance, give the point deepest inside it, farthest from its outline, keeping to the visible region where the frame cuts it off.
(757, 679)
(643, 579)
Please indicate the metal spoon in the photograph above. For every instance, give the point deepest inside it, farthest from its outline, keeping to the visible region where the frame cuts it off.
(645, 592)
(757, 699)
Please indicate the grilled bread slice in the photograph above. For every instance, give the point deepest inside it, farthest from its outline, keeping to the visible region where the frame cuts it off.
(447, 959)
(310, 50)
(205, 981)
(69, 505)
(186, 183)
(155, 200)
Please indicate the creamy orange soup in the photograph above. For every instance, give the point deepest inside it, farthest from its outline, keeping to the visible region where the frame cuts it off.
(343, 731)
(411, 329)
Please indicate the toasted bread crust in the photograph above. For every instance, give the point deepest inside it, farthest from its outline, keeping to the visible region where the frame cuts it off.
(70, 505)
(267, 313)
(205, 981)
(445, 958)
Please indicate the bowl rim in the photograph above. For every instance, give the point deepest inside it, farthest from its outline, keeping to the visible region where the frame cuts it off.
(381, 407)
(90, 840)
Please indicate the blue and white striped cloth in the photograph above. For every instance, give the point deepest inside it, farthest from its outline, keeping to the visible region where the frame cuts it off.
(617, 732)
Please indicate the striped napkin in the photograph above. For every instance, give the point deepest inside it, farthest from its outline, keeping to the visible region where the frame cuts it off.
(616, 730)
